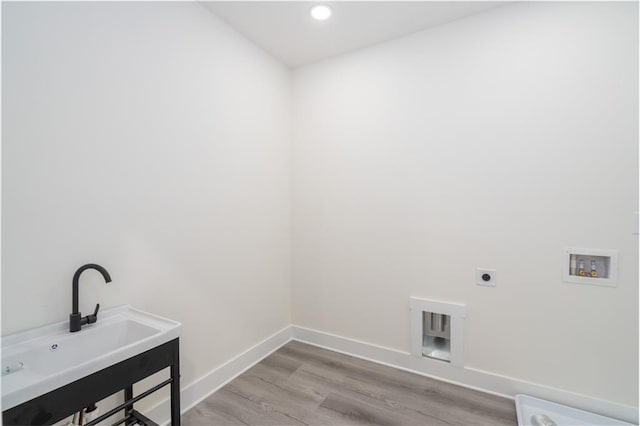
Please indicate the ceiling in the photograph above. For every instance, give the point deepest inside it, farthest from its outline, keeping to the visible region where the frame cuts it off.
(286, 30)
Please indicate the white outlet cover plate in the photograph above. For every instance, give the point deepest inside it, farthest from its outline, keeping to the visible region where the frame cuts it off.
(480, 272)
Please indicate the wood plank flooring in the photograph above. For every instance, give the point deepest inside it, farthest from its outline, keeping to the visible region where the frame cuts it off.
(301, 384)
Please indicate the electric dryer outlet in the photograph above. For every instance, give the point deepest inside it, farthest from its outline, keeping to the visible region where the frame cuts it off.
(486, 277)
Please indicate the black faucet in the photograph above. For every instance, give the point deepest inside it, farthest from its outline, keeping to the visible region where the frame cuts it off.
(75, 318)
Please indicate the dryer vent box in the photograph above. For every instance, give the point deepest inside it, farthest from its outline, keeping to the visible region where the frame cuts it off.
(436, 336)
(436, 330)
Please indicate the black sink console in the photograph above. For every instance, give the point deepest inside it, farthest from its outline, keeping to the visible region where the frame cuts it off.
(63, 402)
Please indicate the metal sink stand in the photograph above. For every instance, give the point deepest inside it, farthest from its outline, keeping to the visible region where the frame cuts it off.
(63, 402)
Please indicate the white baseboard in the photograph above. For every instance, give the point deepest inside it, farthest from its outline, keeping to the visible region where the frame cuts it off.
(200, 389)
(468, 377)
(480, 380)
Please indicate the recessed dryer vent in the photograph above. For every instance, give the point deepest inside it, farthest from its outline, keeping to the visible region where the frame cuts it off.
(436, 336)
(436, 330)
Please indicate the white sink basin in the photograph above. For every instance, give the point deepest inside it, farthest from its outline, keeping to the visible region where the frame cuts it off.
(45, 358)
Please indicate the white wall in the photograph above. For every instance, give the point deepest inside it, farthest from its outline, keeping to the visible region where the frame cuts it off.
(152, 139)
(493, 141)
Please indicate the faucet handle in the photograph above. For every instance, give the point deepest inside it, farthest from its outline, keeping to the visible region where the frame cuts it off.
(94, 317)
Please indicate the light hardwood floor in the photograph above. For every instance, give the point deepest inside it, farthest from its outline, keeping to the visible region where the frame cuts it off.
(304, 385)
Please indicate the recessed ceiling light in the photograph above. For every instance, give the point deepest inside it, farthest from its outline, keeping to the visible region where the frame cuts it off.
(320, 12)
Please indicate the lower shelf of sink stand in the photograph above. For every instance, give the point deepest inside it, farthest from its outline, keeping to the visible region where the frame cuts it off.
(63, 402)
(136, 418)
